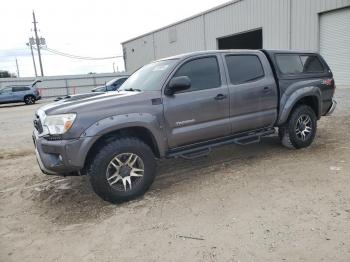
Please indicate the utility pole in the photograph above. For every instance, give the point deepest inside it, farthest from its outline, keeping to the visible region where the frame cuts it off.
(113, 67)
(17, 68)
(31, 50)
(37, 41)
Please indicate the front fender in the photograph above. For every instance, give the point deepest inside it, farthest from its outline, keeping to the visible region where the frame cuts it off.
(289, 100)
(117, 122)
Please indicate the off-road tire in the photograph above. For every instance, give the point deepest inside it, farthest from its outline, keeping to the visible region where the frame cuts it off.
(29, 100)
(96, 170)
(287, 133)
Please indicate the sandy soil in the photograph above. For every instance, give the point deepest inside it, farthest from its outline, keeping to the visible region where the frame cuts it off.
(260, 202)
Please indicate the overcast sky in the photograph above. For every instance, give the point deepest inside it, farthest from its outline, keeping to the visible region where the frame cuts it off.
(85, 28)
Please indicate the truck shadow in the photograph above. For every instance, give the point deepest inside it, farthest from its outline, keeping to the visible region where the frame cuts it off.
(220, 159)
(70, 200)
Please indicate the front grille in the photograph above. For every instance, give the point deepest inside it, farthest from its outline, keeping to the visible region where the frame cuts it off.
(53, 137)
(37, 124)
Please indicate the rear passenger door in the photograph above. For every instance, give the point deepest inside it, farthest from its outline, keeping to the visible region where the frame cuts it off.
(19, 92)
(201, 112)
(253, 91)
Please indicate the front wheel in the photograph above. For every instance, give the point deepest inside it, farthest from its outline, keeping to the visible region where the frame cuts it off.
(300, 129)
(122, 170)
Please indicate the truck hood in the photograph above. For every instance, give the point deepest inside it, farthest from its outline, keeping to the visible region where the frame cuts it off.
(93, 109)
(99, 102)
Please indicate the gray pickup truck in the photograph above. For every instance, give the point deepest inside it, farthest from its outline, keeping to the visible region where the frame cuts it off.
(183, 106)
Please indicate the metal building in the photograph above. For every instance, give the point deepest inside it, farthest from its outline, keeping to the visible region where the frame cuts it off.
(316, 25)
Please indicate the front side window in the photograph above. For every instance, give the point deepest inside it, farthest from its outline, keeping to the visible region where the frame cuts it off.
(244, 68)
(204, 73)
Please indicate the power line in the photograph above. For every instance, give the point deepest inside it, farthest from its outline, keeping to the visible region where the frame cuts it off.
(56, 52)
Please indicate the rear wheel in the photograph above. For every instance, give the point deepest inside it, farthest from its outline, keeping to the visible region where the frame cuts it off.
(300, 129)
(122, 170)
(29, 100)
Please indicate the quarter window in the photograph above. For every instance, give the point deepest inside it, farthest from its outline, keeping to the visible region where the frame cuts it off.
(299, 64)
(203, 72)
(244, 68)
(311, 64)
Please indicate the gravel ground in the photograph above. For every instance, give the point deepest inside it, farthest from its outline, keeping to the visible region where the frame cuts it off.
(260, 202)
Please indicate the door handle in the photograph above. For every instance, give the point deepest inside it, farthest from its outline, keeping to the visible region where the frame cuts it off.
(267, 90)
(220, 97)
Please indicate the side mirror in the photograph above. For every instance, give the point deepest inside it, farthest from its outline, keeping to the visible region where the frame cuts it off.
(176, 84)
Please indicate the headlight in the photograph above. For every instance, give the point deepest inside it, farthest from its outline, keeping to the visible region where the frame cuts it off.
(58, 124)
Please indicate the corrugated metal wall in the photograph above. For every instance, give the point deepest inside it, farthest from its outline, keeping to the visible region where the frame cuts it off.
(270, 15)
(53, 86)
(305, 21)
(189, 37)
(286, 24)
(139, 52)
(335, 43)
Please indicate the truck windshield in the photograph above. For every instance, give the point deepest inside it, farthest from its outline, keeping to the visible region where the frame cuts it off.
(149, 77)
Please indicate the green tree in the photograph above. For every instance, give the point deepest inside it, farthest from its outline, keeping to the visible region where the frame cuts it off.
(5, 74)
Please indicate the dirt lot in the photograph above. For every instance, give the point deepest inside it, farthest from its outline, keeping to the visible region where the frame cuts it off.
(260, 202)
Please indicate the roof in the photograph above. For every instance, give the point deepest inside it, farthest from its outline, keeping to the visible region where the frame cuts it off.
(184, 20)
(285, 51)
(184, 55)
(249, 51)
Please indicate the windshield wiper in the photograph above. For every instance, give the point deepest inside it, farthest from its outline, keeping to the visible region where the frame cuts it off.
(131, 89)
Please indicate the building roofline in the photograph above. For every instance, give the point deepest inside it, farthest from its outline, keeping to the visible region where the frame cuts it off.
(184, 20)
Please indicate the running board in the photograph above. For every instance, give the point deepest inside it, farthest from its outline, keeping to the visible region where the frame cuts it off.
(204, 148)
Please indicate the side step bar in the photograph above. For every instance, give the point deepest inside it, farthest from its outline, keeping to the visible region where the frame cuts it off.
(204, 148)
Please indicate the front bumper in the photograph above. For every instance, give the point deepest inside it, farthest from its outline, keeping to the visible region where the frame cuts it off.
(61, 157)
(331, 108)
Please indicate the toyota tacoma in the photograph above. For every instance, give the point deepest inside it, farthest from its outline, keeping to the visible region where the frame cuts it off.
(183, 106)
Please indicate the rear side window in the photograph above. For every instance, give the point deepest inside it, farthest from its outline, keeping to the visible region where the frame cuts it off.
(20, 88)
(244, 68)
(203, 72)
(299, 64)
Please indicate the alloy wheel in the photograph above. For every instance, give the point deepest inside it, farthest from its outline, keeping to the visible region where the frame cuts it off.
(125, 171)
(303, 127)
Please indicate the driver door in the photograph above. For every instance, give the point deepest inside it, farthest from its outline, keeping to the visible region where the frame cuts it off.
(201, 112)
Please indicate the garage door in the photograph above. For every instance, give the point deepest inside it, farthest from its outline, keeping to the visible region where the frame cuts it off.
(335, 43)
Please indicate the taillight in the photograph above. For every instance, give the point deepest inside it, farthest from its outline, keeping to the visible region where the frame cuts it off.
(328, 82)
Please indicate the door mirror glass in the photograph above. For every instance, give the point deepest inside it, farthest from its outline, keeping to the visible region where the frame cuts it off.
(176, 84)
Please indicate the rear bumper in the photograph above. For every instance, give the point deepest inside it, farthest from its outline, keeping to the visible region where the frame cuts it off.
(331, 108)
